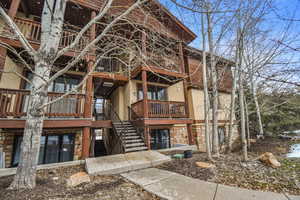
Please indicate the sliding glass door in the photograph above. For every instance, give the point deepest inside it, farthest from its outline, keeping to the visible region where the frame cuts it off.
(53, 149)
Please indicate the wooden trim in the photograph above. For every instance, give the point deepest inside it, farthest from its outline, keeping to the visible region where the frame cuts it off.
(12, 123)
(153, 83)
(167, 121)
(210, 121)
(101, 124)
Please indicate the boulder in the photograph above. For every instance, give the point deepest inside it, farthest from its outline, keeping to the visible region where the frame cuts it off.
(78, 178)
(269, 159)
(205, 165)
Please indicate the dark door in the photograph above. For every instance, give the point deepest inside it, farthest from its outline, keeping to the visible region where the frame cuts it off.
(160, 139)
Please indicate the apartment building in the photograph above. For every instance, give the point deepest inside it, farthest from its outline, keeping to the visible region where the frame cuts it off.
(153, 105)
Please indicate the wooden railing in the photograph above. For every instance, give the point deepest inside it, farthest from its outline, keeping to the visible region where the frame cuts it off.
(32, 31)
(15, 103)
(160, 109)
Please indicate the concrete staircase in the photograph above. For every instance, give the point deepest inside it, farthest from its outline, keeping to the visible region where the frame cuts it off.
(132, 141)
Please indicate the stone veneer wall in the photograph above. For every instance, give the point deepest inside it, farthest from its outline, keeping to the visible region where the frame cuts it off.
(178, 135)
(7, 142)
(198, 131)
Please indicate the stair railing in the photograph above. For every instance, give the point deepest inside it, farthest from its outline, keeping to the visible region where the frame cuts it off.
(115, 118)
(133, 116)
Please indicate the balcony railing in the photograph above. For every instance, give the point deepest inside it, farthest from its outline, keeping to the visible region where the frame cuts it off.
(32, 31)
(160, 109)
(170, 63)
(14, 103)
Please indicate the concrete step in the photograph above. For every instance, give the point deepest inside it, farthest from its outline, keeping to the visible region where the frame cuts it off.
(136, 144)
(131, 137)
(131, 134)
(128, 141)
(136, 149)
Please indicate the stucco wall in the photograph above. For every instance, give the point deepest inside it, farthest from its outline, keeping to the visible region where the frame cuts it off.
(176, 92)
(196, 103)
(10, 80)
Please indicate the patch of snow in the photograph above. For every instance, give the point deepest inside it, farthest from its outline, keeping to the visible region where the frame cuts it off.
(294, 151)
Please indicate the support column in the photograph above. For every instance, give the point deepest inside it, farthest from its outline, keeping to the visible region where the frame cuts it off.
(89, 94)
(185, 90)
(147, 136)
(13, 9)
(145, 94)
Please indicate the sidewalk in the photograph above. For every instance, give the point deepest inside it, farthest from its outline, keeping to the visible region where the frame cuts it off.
(173, 186)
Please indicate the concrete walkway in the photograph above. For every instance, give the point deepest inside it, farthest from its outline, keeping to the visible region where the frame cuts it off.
(173, 186)
(120, 163)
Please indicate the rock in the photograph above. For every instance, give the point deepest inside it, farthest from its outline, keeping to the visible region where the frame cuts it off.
(78, 178)
(205, 165)
(269, 159)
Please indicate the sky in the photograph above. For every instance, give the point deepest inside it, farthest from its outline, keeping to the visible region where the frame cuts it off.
(283, 9)
(275, 24)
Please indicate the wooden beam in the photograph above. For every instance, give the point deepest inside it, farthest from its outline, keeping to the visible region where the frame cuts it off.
(145, 94)
(89, 94)
(19, 124)
(167, 121)
(110, 76)
(147, 136)
(101, 124)
(13, 9)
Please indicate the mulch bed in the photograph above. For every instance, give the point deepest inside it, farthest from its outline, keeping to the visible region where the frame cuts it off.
(253, 175)
(51, 184)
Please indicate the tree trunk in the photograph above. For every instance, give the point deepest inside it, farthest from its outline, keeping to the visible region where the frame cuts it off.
(257, 108)
(241, 103)
(232, 100)
(247, 123)
(205, 89)
(52, 23)
(214, 78)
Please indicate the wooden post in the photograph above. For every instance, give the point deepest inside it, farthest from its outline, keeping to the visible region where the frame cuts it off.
(145, 94)
(185, 91)
(147, 137)
(13, 9)
(89, 93)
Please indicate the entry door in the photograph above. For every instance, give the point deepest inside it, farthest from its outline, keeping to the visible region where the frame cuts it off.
(99, 108)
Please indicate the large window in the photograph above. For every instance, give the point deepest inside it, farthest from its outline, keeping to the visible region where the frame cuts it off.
(160, 138)
(53, 149)
(154, 93)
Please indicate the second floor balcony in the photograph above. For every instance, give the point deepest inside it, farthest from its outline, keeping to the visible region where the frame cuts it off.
(159, 109)
(32, 31)
(14, 103)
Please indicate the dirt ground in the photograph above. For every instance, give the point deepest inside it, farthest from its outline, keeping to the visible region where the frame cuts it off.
(254, 175)
(51, 184)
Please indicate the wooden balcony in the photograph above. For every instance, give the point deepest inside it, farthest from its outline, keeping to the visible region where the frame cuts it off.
(14, 104)
(32, 31)
(160, 109)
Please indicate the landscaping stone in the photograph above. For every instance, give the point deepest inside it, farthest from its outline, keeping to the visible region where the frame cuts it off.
(269, 159)
(77, 179)
(205, 165)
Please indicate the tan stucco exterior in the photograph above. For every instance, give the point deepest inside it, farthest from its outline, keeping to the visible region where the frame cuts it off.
(11, 80)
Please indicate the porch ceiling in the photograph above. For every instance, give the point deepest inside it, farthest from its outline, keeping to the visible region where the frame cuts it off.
(157, 75)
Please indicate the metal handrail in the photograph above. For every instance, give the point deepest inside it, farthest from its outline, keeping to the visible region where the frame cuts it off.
(132, 112)
(115, 118)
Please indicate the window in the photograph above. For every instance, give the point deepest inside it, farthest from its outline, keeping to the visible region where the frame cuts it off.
(154, 93)
(160, 139)
(53, 149)
(61, 84)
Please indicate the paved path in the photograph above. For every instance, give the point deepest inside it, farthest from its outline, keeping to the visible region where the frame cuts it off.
(173, 186)
(120, 163)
